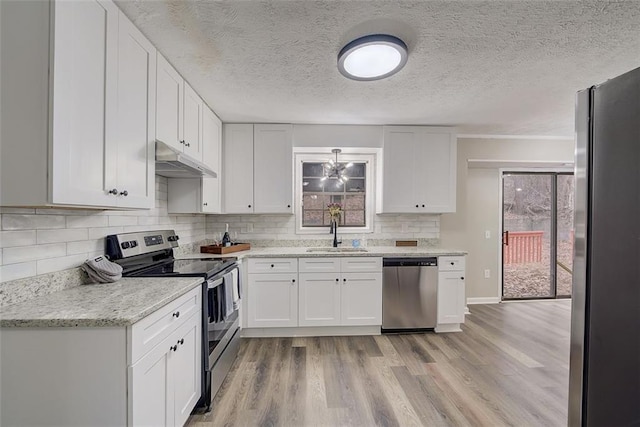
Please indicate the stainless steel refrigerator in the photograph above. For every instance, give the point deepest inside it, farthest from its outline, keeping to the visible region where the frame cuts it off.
(604, 386)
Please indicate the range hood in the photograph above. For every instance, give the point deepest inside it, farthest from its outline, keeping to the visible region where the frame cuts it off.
(172, 163)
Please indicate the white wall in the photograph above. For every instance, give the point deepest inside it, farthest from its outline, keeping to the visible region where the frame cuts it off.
(479, 204)
(39, 241)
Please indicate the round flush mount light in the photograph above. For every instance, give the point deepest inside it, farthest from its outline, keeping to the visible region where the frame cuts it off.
(372, 57)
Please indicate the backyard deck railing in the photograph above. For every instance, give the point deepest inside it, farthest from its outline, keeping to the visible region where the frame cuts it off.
(523, 247)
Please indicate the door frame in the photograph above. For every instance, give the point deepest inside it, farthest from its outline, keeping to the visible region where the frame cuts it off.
(532, 171)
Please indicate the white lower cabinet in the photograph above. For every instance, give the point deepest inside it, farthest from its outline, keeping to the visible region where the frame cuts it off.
(451, 293)
(273, 300)
(347, 296)
(146, 374)
(165, 383)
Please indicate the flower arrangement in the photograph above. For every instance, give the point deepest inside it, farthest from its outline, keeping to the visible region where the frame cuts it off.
(335, 211)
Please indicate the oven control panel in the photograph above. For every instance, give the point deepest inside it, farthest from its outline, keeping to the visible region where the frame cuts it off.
(130, 244)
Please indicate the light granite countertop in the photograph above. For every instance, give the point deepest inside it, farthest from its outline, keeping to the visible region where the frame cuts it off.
(122, 303)
(301, 252)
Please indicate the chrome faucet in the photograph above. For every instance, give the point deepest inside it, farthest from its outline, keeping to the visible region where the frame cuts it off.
(334, 230)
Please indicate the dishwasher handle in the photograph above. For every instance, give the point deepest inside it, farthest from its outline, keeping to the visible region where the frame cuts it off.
(410, 262)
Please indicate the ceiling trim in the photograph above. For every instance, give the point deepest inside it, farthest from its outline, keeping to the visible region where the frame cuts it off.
(540, 137)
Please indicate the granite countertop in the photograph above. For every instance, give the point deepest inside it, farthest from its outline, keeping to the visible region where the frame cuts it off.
(301, 252)
(122, 303)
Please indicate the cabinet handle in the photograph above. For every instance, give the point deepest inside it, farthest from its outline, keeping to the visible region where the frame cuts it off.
(462, 278)
(249, 205)
(124, 193)
(182, 142)
(187, 144)
(205, 203)
(337, 279)
(176, 314)
(288, 206)
(180, 341)
(114, 191)
(453, 263)
(344, 280)
(173, 347)
(417, 206)
(271, 265)
(423, 206)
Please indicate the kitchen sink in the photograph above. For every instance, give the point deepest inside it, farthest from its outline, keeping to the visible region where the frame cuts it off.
(337, 250)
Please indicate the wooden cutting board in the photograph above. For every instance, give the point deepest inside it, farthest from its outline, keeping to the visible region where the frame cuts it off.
(221, 250)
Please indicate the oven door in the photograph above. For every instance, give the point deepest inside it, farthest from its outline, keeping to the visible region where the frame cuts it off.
(223, 320)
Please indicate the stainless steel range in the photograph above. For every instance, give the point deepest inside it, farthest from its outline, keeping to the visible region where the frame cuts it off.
(150, 254)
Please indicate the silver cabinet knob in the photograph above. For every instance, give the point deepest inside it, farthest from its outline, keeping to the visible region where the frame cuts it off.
(114, 191)
(125, 193)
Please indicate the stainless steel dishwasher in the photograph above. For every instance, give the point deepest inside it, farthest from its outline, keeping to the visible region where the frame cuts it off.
(409, 294)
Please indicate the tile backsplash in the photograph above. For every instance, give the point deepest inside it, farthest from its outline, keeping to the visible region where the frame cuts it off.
(40, 241)
(280, 230)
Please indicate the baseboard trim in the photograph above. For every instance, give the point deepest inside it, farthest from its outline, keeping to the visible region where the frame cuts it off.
(483, 300)
(312, 331)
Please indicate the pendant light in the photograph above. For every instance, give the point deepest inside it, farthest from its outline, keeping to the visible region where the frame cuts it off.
(335, 170)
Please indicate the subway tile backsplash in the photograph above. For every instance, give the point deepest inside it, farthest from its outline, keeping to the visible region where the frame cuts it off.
(41, 241)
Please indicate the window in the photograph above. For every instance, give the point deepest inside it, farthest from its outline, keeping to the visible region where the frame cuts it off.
(314, 194)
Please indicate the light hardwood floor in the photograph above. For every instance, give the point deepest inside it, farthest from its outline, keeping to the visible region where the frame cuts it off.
(509, 366)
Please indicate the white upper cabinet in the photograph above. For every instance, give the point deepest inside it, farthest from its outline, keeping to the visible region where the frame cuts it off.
(169, 104)
(80, 135)
(178, 111)
(136, 118)
(419, 170)
(192, 118)
(211, 139)
(84, 113)
(273, 168)
(258, 168)
(238, 168)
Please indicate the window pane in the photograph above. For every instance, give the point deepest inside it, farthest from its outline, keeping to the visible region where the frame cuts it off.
(312, 218)
(355, 185)
(354, 218)
(315, 201)
(357, 170)
(354, 202)
(314, 185)
(312, 169)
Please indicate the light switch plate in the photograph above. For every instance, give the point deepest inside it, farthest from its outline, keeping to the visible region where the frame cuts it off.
(487, 234)
(487, 274)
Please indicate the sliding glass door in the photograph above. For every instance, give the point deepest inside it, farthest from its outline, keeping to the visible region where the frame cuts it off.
(537, 239)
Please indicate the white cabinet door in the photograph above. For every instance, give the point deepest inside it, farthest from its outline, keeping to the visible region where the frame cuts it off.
(186, 368)
(273, 300)
(150, 392)
(398, 181)
(135, 141)
(238, 168)
(436, 171)
(84, 109)
(451, 297)
(211, 139)
(169, 104)
(273, 168)
(192, 117)
(210, 195)
(361, 299)
(319, 296)
(419, 170)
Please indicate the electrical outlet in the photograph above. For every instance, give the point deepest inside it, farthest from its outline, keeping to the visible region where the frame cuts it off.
(487, 234)
(250, 227)
(487, 273)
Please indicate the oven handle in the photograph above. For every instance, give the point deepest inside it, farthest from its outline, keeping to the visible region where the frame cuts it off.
(214, 283)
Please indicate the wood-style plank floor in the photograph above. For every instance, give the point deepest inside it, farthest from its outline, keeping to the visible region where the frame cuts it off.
(509, 366)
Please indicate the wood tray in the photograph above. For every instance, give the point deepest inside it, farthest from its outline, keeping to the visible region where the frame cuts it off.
(212, 249)
(406, 243)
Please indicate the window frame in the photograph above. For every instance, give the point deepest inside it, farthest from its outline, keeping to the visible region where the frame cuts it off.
(323, 157)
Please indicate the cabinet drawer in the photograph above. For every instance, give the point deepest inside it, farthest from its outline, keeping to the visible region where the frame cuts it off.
(273, 265)
(364, 264)
(154, 328)
(319, 265)
(451, 263)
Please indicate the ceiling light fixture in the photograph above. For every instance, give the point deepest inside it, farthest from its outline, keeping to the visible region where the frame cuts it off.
(335, 170)
(372, 57)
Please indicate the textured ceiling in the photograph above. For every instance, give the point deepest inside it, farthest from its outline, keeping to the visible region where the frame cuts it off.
(489, 67)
